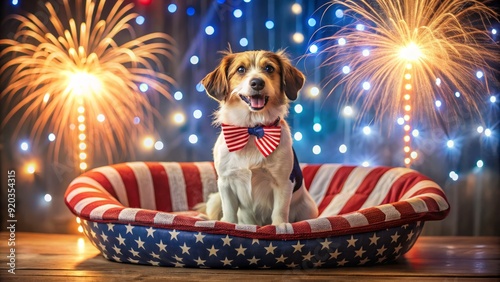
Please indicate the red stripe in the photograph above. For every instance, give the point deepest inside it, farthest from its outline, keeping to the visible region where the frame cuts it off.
(112, 214)
(373, 215)
(402, 185)
(146, 216)
(432, 206)
(404, 208)
(131, 186)
(194, 186)
(81, 196)
(335, 186)
(161, 187)
(301, 227)
(364, 190)
(90, 207)
(431, 190)
(103, 180)
(309, 172)
(339, 223)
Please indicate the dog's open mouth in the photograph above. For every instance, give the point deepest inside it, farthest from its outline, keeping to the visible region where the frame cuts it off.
(255, 102)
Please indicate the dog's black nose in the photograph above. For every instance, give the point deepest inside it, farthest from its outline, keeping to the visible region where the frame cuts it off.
(257, 84)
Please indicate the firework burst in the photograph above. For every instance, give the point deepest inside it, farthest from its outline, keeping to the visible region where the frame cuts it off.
(436, 46)
(73, 78)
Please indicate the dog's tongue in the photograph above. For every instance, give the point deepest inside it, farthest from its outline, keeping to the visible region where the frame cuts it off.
(257, 101)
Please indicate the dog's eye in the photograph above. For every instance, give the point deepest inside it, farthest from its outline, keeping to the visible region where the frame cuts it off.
(241, 70)
(269, 69)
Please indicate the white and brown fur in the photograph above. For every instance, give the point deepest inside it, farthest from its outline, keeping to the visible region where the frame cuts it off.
(254, 189)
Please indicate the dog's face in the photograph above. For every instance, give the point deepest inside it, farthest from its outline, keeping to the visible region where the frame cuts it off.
(254, 80)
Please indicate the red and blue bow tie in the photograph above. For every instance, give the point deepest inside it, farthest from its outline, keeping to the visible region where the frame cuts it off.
(268, 137)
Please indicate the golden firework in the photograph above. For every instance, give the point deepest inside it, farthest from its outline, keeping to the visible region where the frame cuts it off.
(75, 77)
(412, 52)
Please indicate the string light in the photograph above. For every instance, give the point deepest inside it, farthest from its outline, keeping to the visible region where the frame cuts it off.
(297, 136)
(366, 85)
(479, 74)
(346, 69)
(31, 168)
(313, 48)
(296, 8)
(339, 13)
(179, 118)
(343, 149)
(148, 142)
(193, 139)
(298, 37)
(158, 145)
(269, 24)
(194, 60)
(237, 13)
(197, 114)
(209, 30)
(314, 91)
(342, 41)
(348, 111)
(311, 22)
(367, 130)
(365, 164)
(316, 149)
(24, 146)
(178, 95)
(480, 163)
(172, 8)
(47, 198)
(140, 20)
(51, 137)
(317, 127)
(298, 108)
(244, 42)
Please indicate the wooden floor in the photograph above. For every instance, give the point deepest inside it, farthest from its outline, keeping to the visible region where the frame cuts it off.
(54, 257)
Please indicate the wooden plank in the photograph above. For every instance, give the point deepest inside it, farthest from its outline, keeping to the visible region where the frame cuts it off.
(59, 257)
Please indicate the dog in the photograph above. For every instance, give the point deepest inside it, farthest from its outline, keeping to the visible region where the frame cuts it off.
(259, 178)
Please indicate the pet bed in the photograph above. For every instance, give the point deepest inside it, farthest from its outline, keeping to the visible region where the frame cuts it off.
(141, 213)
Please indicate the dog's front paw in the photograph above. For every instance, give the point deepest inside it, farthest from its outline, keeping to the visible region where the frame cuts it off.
(229, 219)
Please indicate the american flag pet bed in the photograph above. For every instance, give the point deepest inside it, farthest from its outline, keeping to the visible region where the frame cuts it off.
(140, 213)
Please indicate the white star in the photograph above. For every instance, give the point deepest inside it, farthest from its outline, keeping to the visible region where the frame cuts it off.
(342, 262)
(140, 244)
(298, 247)
(117, 250)
(364, 261)
(410, 235)
(155, 263)
(199, 261)
(241, 250)
(335, 254)
(185, 249)
(397, 249)
(177, 258)
(150, 231)
(133, 260)
(199, 237)
(359, 252)
(325, 244)
(381, 250)
(318, 264)
(173, 234)
(270, 249)
(226, 261)
(264, 267)
(405, 226)
(111, 226)
(309, 256)
(255, 241)
(129, 229)
(374, 239)
(162, 246)
(281, 259)
(155, 255)
(120, 239)
(103, 247)
(104, 237)
(178, 264)
(226, 240)
(105, 255)
(253, 260)
(95, 224)
(93, 233)
(115, 258)
(292, 265)
(213, 251)
(134, 252)
(395, 237)
(381, 259)
(352, 242)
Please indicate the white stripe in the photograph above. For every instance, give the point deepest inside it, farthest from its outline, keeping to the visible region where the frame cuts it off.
(116, 181)
(145, 184)
(439, 200)
(391, 213)
(100, 210)
(87, 180)
(128, 214)
(383, 186)
(203, 223)
(356, 219)
(164, 218)
(80, 190)
(319, 224)
(246, 227)
(208, 178)
(177, 186)
(321, 180)
(86, 201)
(284, 229)
(419, 186)
(351, 185)
(418, 205)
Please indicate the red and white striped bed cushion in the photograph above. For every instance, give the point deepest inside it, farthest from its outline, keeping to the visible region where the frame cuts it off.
(351, 199)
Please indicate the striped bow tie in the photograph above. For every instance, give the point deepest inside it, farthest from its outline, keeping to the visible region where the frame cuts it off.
(268, 137)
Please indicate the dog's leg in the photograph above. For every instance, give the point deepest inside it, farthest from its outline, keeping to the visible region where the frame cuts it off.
(229, 200)
(282, 194)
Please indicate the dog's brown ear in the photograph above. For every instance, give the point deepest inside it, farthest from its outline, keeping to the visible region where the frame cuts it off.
(216, 82)
(292, 78)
